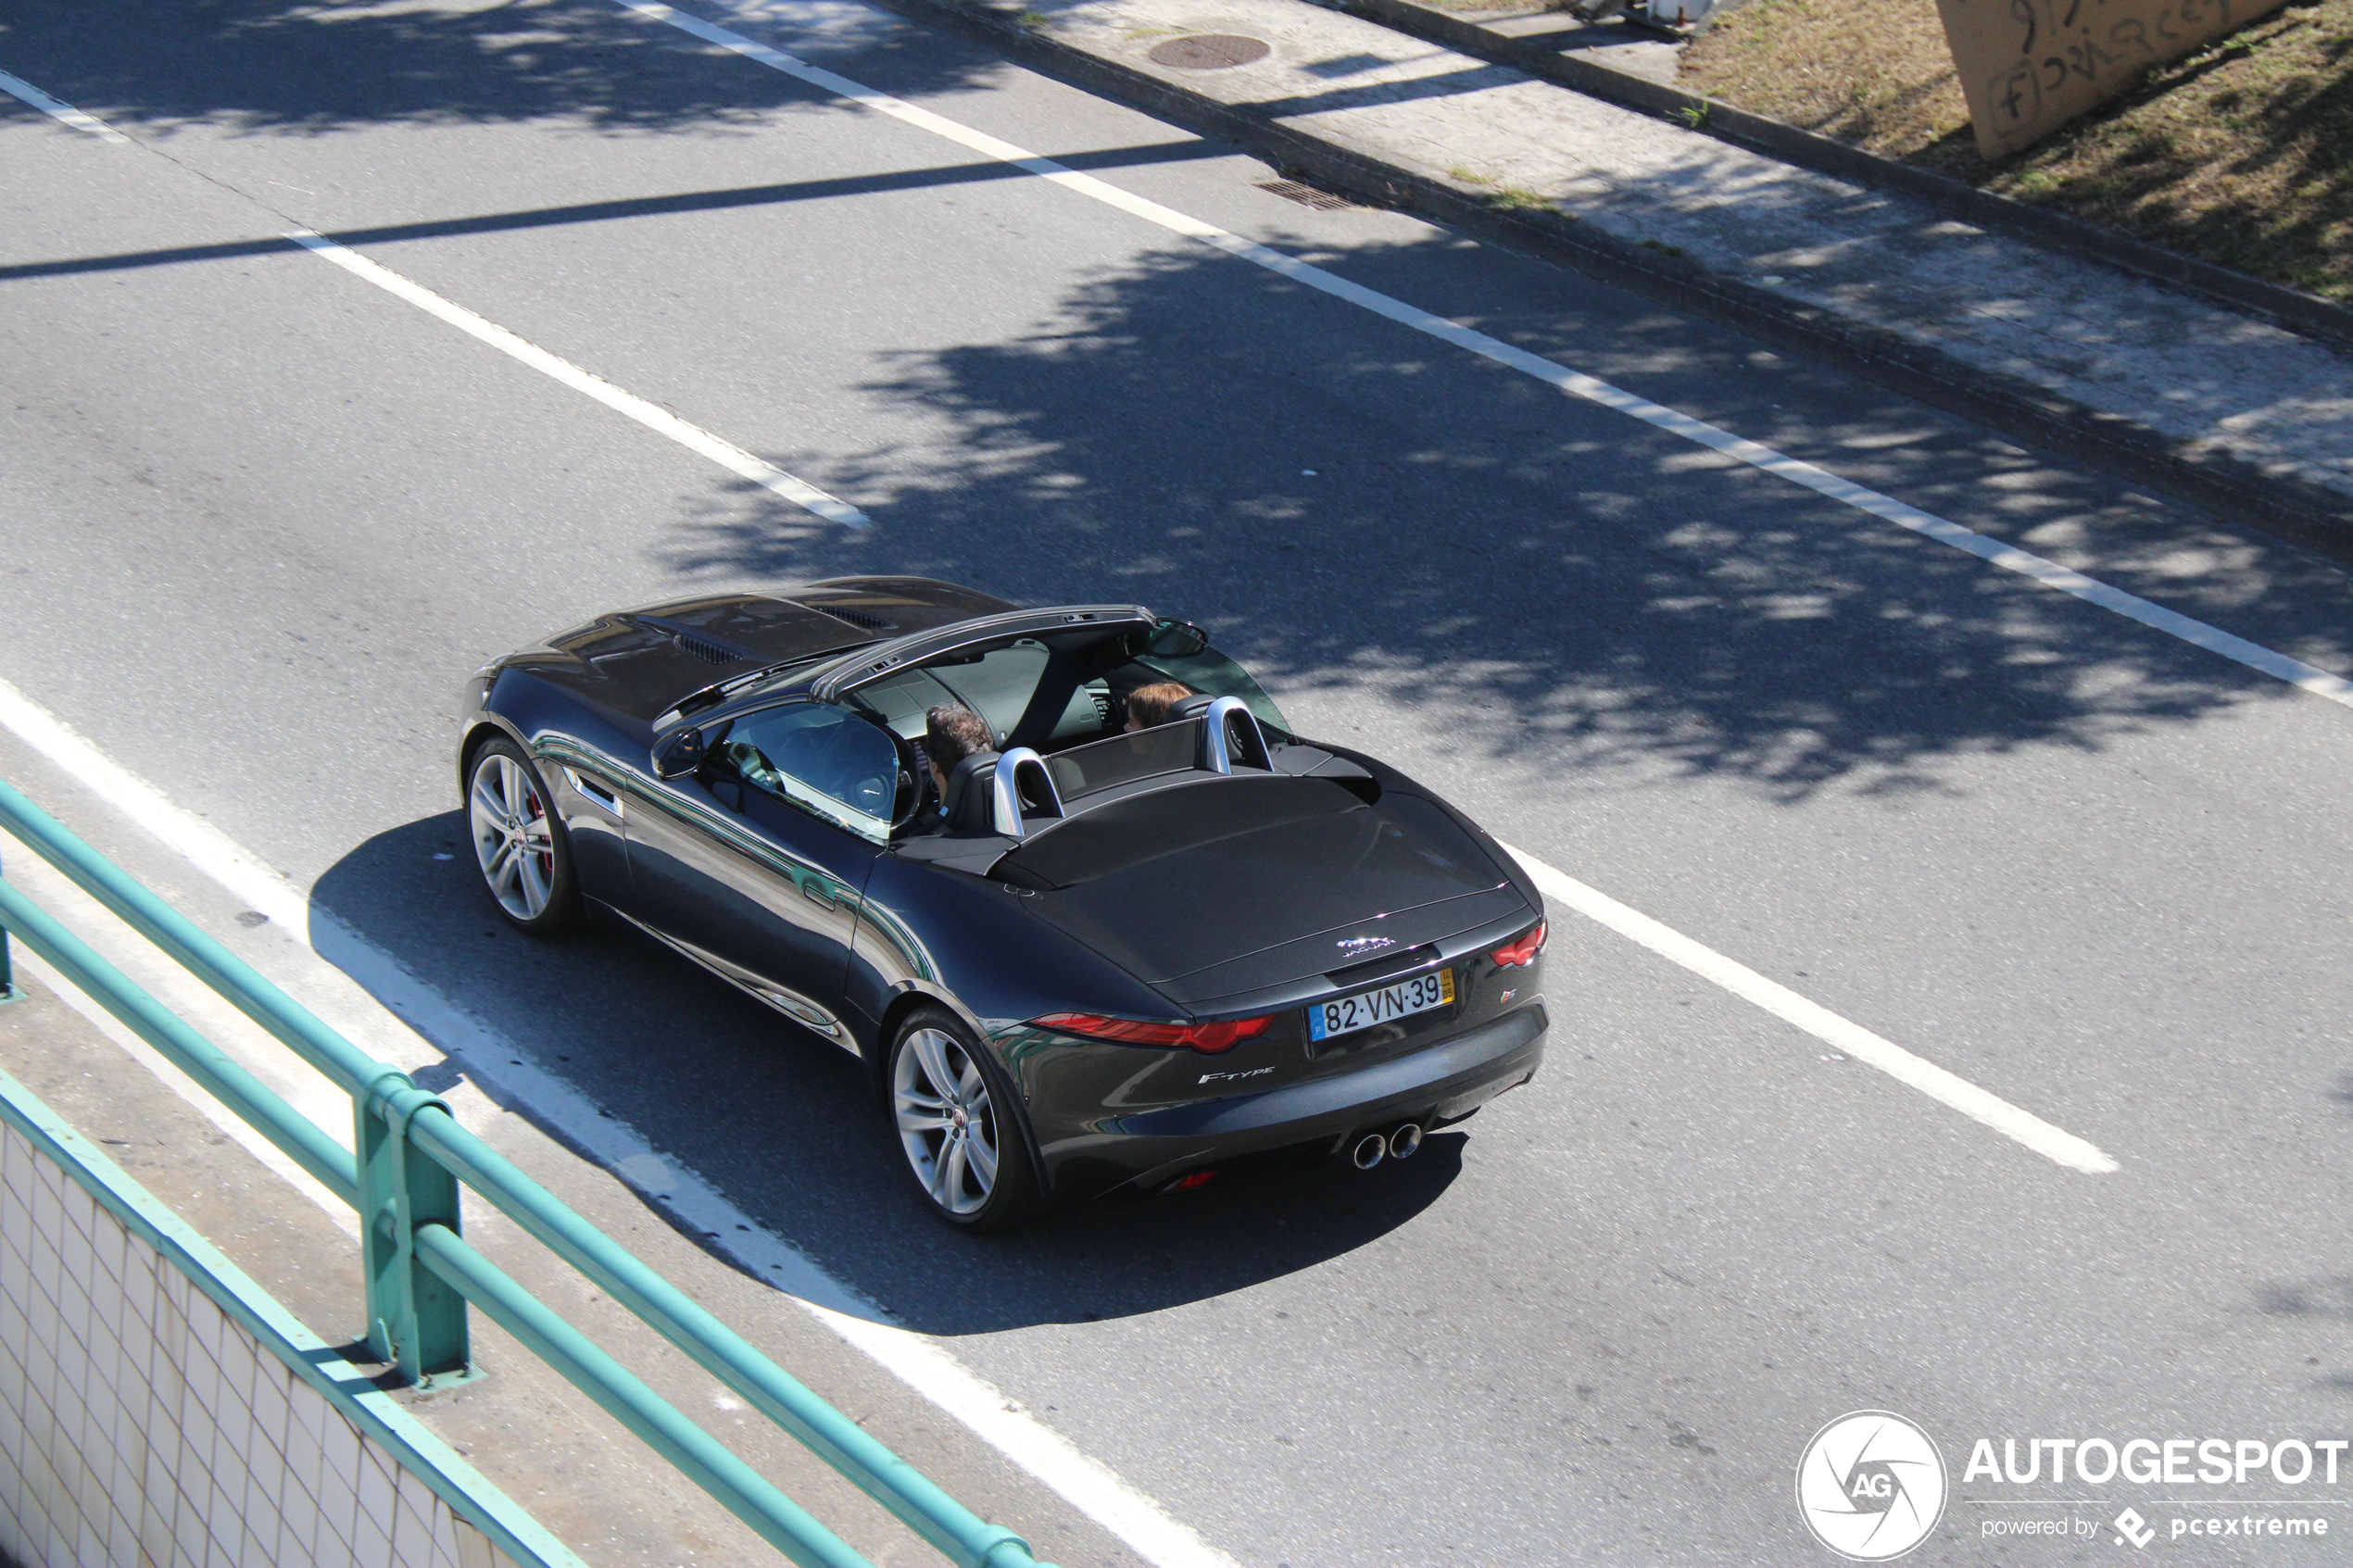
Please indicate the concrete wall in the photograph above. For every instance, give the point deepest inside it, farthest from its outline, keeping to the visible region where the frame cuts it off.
(158, 1411)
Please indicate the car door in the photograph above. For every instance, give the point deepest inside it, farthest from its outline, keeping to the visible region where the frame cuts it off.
(754, 864)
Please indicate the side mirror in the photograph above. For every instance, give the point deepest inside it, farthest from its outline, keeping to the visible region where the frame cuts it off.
(680, 755)
(1176, 639)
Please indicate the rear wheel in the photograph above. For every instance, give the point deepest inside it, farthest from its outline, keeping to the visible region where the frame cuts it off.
(956, 1121)
(522, 850)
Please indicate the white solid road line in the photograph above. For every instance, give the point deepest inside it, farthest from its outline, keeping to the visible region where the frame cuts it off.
(659, 420)
(57, 109)
(1755, 454)
(363, 991)
(2053, 1143)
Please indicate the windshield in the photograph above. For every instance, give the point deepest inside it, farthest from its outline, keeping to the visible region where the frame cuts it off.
(1207, 670)
(1057, 691)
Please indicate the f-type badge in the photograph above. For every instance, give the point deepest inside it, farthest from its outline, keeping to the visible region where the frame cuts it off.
(1356, 946)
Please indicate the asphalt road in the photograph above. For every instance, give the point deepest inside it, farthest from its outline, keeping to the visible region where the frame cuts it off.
(257, 520)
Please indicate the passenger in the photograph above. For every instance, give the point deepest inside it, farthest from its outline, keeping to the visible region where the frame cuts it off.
(1149, 706)
(951, 735)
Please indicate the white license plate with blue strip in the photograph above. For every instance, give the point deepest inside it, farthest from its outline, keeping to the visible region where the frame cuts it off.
(1345, 1015)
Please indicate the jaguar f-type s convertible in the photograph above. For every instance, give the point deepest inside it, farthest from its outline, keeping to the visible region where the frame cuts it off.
(1093, 959)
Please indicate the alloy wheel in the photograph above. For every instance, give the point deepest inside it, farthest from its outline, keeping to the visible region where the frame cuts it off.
(513, 842)
(947, 1122)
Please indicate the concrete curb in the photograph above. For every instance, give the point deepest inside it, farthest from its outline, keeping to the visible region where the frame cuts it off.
(2229, 488)
(2292, 308)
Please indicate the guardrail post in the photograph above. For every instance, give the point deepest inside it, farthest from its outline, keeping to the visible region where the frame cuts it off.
(415, 1321)
(8, 992)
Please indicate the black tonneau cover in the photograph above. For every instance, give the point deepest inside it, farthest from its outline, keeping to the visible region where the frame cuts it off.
(1218, 885)
(1204, 811)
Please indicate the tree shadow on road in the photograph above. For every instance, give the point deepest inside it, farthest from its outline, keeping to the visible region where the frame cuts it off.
(282, 68)
(1537, 578)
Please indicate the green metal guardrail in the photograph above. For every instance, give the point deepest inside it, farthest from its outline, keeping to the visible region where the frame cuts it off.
(420, 1273)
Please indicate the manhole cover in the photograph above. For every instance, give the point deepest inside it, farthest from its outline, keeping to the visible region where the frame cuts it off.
(1208, 51)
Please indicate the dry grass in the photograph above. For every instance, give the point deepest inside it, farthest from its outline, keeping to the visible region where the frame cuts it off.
(2241, 154)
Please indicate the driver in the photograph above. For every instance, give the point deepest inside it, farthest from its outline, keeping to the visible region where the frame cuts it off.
(951, 732)
(1149, 706)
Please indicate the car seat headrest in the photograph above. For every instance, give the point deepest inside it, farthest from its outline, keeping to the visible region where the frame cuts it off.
(1192, 706)
(966, 801)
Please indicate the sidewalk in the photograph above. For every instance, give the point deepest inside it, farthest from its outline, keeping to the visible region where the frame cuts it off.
(2169, 388)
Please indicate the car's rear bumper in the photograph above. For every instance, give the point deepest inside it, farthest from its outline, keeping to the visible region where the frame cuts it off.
(1443, 1083)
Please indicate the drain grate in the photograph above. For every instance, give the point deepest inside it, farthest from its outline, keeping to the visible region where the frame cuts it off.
(1207, 51)
(1309, 195)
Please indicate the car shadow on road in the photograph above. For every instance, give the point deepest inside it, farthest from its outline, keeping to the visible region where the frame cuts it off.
(786, 1127)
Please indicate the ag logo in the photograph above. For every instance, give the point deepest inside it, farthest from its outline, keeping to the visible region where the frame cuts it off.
(1870, 1486)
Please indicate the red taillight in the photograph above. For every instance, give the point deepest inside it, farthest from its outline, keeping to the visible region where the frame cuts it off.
(1188, 1183)
(1522, 953)
(1207, 1038)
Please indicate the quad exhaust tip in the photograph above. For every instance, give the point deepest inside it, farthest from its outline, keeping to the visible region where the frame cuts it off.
(1370, 1150)
(1404, 1142)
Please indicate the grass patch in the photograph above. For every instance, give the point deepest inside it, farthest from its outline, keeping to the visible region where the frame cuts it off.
(1519, 198)
(2241, 153)
(1469, 176)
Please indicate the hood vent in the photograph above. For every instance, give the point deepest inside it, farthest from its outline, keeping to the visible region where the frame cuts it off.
(865, 619)
(709, 652)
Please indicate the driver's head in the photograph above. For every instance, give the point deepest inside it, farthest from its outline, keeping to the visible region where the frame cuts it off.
(1147, 705)
(951, 735)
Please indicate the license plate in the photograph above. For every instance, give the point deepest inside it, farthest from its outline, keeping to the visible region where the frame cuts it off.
(1348, 1015)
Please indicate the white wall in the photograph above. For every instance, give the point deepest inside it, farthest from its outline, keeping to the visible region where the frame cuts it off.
(144, 1425)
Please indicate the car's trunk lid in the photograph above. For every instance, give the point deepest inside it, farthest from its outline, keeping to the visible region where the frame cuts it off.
(1229, 886)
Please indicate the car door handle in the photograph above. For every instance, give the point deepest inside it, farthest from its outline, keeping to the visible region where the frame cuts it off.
(815, 893)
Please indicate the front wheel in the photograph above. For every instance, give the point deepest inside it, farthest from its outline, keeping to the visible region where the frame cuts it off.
(956, 1121)
(522, 850)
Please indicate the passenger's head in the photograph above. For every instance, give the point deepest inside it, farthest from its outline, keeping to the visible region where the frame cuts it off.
(952, 734)
(1147, 705)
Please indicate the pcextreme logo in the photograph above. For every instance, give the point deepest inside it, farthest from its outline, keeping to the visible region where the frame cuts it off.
(1870, 1486)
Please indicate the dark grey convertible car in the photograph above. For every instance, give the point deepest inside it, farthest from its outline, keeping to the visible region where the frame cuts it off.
(1095, 959)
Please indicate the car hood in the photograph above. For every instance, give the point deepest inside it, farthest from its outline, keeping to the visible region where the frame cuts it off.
(1232, 885)
(642, 662)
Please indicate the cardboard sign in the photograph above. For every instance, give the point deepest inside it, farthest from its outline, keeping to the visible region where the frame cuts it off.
(2027, 67)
